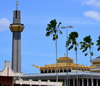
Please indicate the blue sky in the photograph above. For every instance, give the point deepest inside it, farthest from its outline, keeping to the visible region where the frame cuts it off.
(38, 49)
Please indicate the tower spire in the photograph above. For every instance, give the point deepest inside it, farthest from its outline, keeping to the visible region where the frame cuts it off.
(16, 5)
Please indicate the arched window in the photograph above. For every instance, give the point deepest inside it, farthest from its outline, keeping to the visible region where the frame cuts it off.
(64, 70)
(49, 71)
(42, 71)
(69, 70)
(61, 70)
(45, 71)
(53, 71)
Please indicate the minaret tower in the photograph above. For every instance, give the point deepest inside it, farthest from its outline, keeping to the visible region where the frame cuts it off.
(16, 28)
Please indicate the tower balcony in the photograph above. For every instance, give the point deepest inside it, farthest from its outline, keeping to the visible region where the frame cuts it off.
(16, 28)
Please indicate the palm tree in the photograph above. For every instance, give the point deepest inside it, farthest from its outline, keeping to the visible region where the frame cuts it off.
(72, 43)
(98, 43)
(53, 29)
(87, 45)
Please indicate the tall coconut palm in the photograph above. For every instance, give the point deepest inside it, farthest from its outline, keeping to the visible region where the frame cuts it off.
(85, 46)
(72, 43)
(53, 29)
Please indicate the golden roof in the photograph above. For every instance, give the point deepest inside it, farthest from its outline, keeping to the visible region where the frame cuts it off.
(63, 65)
(63, 62)
(64, 58)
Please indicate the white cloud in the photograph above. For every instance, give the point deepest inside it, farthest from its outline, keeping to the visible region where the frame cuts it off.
(4, 24)
(93, 15)
(92, 2)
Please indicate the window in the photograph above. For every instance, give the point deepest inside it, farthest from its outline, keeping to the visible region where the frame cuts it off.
(16, 14)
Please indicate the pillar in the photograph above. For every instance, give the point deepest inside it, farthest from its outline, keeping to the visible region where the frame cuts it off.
(63, 70)
(96, 82)
(78, 82)
(73, 82)
(47, 71)
(87, 82)
(65, 82)
(69, 83)
(82, 82)
(51, 71)
(91, 82)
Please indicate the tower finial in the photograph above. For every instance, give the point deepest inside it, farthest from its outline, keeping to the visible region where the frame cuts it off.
(16, 5)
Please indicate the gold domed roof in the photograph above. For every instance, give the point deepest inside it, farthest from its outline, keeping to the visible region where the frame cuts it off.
(64, 58)
(62, 63)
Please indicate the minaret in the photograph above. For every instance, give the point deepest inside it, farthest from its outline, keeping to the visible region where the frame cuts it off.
(16, 28)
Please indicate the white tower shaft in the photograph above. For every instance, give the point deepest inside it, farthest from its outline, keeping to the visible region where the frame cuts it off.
(16, 52)
(16, 28)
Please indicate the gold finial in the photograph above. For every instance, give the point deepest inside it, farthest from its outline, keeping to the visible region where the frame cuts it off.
(16, 5)
(16, 2)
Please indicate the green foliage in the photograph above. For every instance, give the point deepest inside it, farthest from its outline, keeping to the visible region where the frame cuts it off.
(53, 28)
(98, 43)
(73, 35)
(72, 41)
(87, 39)
(86, 44)
(62, 82)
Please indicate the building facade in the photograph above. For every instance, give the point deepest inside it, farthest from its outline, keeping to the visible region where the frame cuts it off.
(69, 73)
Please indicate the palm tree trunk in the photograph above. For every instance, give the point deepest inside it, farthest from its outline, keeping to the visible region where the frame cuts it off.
(91, 65)
(77, 66)
(67, 59)
(56, 60)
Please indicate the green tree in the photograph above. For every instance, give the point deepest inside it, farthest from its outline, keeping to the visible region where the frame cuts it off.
(85, 46)
(98, 43)
(54, 29)
(72, 43)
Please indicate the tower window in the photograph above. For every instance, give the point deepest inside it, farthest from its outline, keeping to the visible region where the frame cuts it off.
(16, 14)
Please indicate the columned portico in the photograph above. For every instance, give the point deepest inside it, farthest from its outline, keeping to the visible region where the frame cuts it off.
(83, 82)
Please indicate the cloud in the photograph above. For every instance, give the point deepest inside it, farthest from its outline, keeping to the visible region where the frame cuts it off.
(92, 2)
(93, 15)
(4, 24)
